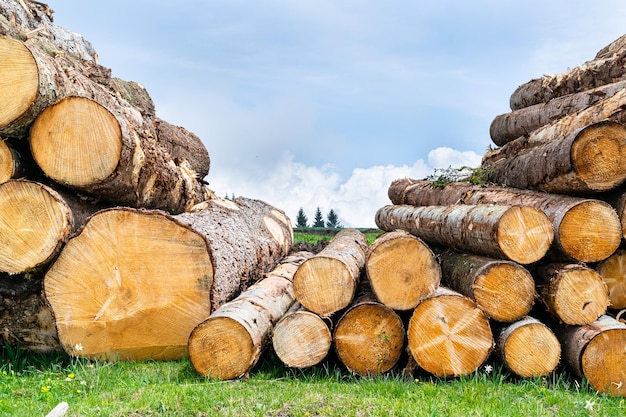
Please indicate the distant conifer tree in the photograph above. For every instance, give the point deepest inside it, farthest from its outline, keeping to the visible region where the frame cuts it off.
(301, 219)
(332, 220)
(319, 220)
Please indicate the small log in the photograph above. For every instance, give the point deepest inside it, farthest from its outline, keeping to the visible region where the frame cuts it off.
(585, 230)
(402, 270)
(133, 284)
(301, 338)
(613, 272)
(327, 282)
(504, 290)
(449, 335)
(520, 234)
(574, 293)
(528, 347)
(369, 336)
(9, 162)
(595, 351)
(230, 342)
(588, 160)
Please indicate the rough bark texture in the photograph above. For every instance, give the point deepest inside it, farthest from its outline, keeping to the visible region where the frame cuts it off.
(528, 347)
(132, 284)
(503, 289)
(520, 234)
(402, 270)
(327, 282)
(586, 230)
(613, 272)
(595, 351)
(449, 335)
(587, 160)
(369, 336)
(302, 339)
(574, 293)
(230, 342)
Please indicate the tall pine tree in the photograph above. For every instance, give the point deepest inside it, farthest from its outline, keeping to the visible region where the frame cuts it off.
(332, 220)
(301, 219)
(319, 220)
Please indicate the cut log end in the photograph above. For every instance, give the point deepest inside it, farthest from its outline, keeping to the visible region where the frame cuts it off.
(578, 296)
(7, 162)
(613, 271)
(76, 142)
(530, 349)
(525, 234)
(301, 339)
(230, 344)
(19, 84)
(603, 362)
(579, 231)
(505, 291)
(599, 155)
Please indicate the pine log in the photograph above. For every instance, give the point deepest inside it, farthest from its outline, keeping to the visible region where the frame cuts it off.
(595, 351)
(369, 336)
(327, 282)
(504, 290)
(35, 223)
(615, 48)
(520, 234)
(528, 347)
(9, 162)
(301, 338)
(587, 160)
(229, 343)
(402, 270)
(509, 126)
(132, 284)
(586, 230)
(574, 293)
(448, 335)
(613, 272)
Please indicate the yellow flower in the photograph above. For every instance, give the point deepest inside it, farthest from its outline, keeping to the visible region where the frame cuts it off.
(45, 388)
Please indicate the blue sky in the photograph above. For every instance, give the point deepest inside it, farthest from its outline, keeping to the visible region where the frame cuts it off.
(323, 103)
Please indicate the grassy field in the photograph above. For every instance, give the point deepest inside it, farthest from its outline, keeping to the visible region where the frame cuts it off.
(33, 384)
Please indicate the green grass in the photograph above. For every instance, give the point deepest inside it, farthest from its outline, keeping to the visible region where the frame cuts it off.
(312, 235)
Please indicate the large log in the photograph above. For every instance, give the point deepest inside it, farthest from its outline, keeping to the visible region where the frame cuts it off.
(503, 289)
(574, 293)
(520, 234)
(230, 342)
(132, 284)
(586, 160)
(613, 272)
(301, 338)
(369, 336)
(402, 269)
(509, 126)
(596, 352)
(585, 230)
(327, 282)
(449, 335)
(528, 347)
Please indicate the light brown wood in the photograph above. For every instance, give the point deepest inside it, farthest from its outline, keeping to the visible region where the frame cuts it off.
(448, 335)
(301, 338)
(520, 234)
(35, 223)
(528, 348)
(132, 284)
(19, 83)
(229, 343)
(504, 290)
(9, 162)
(402, 270)
(574, 293)
(588, 159)
(586, 230)
(613, 272)
(327, 282)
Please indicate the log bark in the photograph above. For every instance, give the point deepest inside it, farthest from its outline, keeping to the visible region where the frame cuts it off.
(587, 160)
(402, 270)
(369, 336)
(528, 347)
(586, 230)
(132, 284)
(301, 338)
(509, 126)
(574, 293)
(504, 290)
(613, 272)
(448, 335)
(595, 351)
(230, 342)
(520, 234)
(327, 282)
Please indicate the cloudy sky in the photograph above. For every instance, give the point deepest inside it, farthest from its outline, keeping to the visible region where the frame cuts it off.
(323, 103)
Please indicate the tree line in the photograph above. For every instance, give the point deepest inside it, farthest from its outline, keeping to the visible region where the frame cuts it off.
(331, 221)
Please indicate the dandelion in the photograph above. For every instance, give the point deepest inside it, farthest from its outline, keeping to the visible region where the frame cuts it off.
(45, 388)
(589, 405)
(488, 369)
